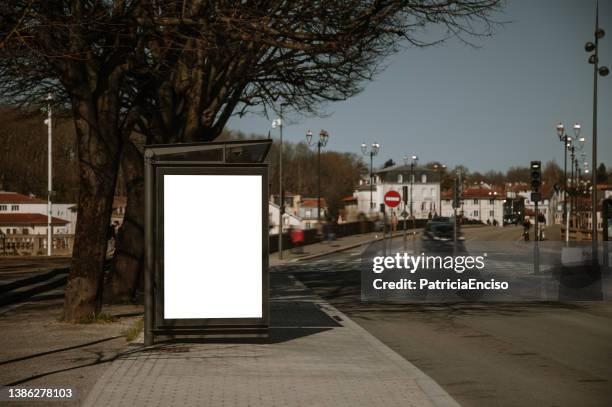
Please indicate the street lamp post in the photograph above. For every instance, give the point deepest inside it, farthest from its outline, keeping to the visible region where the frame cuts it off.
(493, 195)
(372, 152)
(49, 123)
(567, 145)
(322, 142)
(278, 122)
(572, 147)
(439, 168)
(413, 159)
(603, 71)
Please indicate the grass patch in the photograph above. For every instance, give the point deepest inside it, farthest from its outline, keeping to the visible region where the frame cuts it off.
(100, 318)
(132, 332)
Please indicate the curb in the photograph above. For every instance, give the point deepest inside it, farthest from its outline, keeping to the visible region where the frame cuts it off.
(436, 394)
(340, 249)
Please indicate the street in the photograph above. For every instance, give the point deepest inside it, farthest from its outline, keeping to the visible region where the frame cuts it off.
(527, 353)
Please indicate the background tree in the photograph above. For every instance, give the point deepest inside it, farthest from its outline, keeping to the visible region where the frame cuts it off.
(80, 51)
(24, 134)
(389, 163)
(518, 174)
(209, 60)
(552, 173)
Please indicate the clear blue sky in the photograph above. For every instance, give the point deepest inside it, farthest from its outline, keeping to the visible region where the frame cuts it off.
(487, 108)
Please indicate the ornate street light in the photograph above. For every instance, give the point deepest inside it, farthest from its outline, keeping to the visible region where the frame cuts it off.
(413, 159)
(597, 71)
(322, 142)
(374, 149)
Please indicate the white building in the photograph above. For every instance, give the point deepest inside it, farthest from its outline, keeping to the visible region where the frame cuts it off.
(289, 219)
(12, 204)
(423, 192)
(479, 204)
(30, 224)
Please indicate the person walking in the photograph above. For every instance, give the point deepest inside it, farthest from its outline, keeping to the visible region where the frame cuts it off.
(526, 227)
(393, 222)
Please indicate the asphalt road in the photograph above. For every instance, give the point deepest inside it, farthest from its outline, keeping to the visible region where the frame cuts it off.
(537, 353)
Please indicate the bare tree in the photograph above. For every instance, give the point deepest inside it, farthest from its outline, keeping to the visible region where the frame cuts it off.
(209, 60)
(79, 50)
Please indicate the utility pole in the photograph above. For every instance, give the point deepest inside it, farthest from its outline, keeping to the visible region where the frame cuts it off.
(281, 202)
(49, 124)
(603, 71)
(372, 152)
(323, 138)
(536, 197)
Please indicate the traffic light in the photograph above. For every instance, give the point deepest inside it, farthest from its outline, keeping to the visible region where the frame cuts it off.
(456, 200)
(536, 181)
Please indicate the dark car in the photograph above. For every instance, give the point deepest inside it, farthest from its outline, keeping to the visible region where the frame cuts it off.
(512, 220)
(440, 230)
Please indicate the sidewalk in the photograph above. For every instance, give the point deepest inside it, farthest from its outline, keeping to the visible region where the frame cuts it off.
(323, 248)
(315, 356)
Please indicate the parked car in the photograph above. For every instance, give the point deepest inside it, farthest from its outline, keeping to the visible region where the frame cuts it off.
(512, 220)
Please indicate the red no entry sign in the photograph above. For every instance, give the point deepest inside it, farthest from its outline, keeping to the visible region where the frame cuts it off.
(392, 199)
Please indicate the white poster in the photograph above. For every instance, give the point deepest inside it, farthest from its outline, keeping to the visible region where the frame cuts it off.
(212, 246)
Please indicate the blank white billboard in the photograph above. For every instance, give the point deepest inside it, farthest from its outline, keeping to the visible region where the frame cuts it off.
(212, 246)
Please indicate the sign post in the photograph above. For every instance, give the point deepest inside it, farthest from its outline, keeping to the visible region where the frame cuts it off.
(206, 271)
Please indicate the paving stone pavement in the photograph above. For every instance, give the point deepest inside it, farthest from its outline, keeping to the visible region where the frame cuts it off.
(315, 356)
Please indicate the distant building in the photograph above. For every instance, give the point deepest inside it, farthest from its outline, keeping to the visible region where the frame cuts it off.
(119, 208)
(303, 208)
(289, 220)
(13, 204)
(546, 207)
(485, 205)
(350, 211)
(30, 224)
(424, 193)
(307, 211)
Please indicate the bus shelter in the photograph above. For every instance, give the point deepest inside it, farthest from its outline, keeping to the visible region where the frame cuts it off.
(206, 240)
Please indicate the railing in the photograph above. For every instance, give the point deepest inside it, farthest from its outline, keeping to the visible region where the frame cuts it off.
(35, 245)
(580, 234)
(339, 230)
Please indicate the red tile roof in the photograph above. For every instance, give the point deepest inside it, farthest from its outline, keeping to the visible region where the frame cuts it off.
(12, 197)
(313, 202)
(349, 198)
(474, 193)
(482, 193)
(28, 219)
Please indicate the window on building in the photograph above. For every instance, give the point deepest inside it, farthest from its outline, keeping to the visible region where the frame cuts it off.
(423, 178)
(14, 207)
(400, 179)
(475, 201)
(25, 231)
(475, 213)
(492, 201)
(3, 208)
(491, 213)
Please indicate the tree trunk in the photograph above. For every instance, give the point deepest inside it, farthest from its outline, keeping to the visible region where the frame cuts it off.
(99, 146)
(127, 268)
